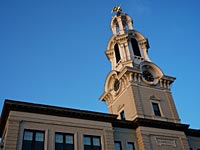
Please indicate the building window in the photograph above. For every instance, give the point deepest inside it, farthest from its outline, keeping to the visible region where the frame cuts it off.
(131, 146)
(122, 115)
(118, 145)
(92, 142)
(64, 141)
(156, 109)
(135, 47)
(33, 140)
(117, 53)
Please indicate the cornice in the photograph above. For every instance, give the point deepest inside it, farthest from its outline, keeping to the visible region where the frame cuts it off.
(141, 122)
(11, 105)
(193, 132)
(121, 38)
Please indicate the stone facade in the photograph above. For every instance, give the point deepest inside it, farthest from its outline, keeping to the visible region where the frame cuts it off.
(20, 120)
(146, 134)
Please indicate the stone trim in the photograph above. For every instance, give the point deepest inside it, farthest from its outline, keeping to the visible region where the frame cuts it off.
(11, 105)
(193, 132)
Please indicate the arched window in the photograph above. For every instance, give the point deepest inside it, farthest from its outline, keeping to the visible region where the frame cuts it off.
(117, 54)
(135, 47)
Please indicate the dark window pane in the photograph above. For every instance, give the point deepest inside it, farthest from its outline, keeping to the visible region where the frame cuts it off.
(39, 136)
(69, 146)
(156, 109)
(69, 139)
(87, 140)
(131, 146)
(58, 146)
(96, 148)
(96, 141)
(27, 145)
(28, 135)
(117, 145)
(87, 147)
(38, 146)
(59, 138)
(122, 115)
(135, 47)
(117, 53)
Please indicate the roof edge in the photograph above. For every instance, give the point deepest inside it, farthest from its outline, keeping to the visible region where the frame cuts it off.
(13, 105)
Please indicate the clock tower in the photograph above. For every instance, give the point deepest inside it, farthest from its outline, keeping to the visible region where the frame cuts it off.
(135, 87)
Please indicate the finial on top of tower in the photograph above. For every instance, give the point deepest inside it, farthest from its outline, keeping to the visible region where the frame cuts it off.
(117, 9)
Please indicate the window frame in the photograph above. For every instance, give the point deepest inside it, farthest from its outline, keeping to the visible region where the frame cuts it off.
(63, 139)
(132, 143)
(33, 141)
(157, 112)
(122, 115)
(120, 144)
(92, 146)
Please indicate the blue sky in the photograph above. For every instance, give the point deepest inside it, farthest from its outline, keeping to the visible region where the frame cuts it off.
(52, 51)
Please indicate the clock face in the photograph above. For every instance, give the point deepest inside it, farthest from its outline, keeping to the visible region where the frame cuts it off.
(116, 85)
(150, 73)
(148, 76)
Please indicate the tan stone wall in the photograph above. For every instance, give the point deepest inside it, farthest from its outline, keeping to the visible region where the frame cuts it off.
(125, 101)
(194, 142)
(136, 102)
(18, 121)
(165, 101)
(161, 139)
(125, 136)
(109, 140)
(11, 135)
(143, 140)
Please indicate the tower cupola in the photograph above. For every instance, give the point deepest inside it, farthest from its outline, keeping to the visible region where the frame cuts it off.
(121, 23)
(127, 47)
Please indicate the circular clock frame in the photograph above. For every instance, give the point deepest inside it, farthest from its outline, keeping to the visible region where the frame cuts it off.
(150, 73)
